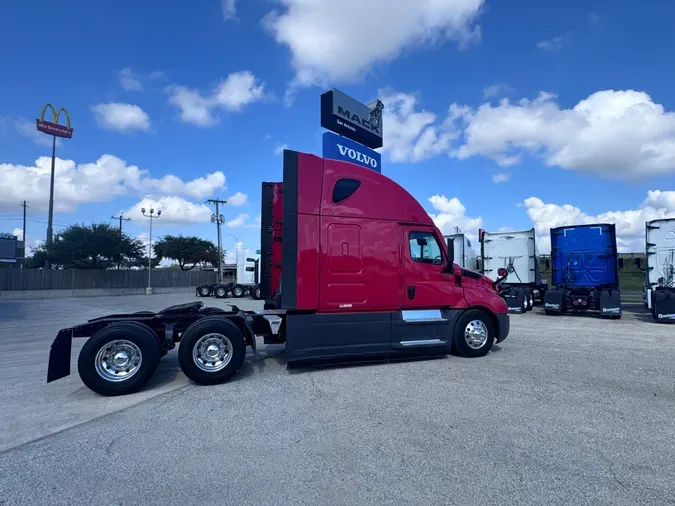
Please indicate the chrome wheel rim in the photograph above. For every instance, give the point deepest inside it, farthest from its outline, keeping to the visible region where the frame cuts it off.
(212, 352)
(476, 334)
(204, 291)
(238, 291)
(220, 292)
(118, 360)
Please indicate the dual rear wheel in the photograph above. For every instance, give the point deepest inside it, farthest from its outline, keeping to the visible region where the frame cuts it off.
(120, 358)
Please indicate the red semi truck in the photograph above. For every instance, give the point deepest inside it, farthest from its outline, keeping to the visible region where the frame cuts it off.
(352, 268)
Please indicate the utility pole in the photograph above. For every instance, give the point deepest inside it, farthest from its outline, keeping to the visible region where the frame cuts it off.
(148, 290)
(121, 218)
(218, 219)
(25, 206)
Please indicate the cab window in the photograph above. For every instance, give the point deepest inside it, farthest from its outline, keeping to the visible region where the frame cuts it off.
(424, 248)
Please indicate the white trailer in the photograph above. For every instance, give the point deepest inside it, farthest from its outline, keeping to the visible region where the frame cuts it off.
(518, 253)
(465, 255)
(659, 288)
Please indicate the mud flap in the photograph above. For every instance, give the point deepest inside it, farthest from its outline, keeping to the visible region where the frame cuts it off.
(514, 303)
(554, 302)
(664, 306)
(59, 356)
(610, 304)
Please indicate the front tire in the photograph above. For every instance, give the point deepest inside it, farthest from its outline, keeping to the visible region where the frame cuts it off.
(474, 334)
(119, 359)
(211, 351)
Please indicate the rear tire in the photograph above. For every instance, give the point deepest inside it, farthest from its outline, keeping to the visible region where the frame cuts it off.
(204, 291)
(474, 334)
(255, 293)
(238, 291)
(119, 359)
(211, 351)
(530, 299)
(220, 292)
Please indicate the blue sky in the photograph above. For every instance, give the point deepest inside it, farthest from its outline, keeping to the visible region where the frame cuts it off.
(512, 114)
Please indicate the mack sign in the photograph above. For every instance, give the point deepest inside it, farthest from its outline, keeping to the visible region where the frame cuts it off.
(343, 115)
(341, 148)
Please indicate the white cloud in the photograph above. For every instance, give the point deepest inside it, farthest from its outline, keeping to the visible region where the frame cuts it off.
(617, 133)
(630, 224)
(121, 117)
(280, 149)
(501, 178)
(232, 94)
(340, 40)
(451, 213)
(411, 135)
(29, 130)
(243, 221)
(129, 81)
(555, 44)
(238, 199)
(100, 181)
(495, 90)
(175, 211)
(18, 232)
(229, 9)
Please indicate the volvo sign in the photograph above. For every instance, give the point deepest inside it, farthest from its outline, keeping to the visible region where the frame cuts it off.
(343, 115)
(343, 149)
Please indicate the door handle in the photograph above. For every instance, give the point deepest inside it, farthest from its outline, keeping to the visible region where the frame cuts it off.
(411, 292)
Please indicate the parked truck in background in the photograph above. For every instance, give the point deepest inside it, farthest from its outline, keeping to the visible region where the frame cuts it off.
(585, 271)
(659, 269)
(465, 255)
(518, 253)
(247, 282)
(366, 275)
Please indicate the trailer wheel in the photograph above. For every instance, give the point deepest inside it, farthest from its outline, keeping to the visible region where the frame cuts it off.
(238, 291)
(204, 291)
(211, 350)
(221, 292)
(474, 334)
(119, 359)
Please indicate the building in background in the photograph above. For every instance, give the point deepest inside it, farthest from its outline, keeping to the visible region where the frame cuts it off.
(12, 251)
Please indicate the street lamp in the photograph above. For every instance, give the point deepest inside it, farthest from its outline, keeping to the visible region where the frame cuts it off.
(148, 290)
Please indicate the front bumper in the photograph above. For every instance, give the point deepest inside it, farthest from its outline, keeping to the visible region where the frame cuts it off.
(504, 326)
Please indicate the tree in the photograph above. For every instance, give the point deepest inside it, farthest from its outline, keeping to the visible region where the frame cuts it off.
(187, 251)
(96, 246)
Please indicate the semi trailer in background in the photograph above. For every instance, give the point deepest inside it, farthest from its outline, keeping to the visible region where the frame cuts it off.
(659, 269)
(465, 255)
(518, 253)
(585, 271)
(366, 275)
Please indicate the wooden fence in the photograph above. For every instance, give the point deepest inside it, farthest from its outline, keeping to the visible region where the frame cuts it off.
(76, 279)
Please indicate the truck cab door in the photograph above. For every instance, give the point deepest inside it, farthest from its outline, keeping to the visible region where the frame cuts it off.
(425, 285)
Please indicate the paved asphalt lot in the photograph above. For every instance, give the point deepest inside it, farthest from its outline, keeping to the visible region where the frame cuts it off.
(568, 410)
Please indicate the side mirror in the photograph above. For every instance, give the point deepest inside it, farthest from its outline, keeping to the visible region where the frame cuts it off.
(548, 264)
(502, 272)
(421, 242)
(250, 269)
(638, 263)
(620, 263)
(250, 259)
(451, 250)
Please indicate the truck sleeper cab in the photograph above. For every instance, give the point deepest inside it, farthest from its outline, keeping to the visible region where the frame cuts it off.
(365, 275)
(585, 271)
(365, 270)
(659, 271)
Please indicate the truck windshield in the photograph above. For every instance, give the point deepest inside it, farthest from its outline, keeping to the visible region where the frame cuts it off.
(424, 248)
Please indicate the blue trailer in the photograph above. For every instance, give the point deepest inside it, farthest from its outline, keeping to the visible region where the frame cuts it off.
(585, 267)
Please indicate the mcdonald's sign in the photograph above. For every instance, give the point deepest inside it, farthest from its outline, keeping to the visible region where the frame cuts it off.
(52, 127)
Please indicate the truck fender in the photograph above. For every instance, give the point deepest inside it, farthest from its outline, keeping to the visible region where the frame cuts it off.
(500, 323)
(59, 356)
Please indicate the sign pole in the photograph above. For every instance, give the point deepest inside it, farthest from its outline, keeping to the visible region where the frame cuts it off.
(51, 197)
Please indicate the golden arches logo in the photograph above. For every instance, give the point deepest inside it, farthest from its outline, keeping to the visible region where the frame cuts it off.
(55, 114)
(52, 127)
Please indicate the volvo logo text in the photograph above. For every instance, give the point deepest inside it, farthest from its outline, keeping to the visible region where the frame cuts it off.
(359, 157)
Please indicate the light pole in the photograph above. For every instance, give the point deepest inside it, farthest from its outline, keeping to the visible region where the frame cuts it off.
(218, 219)
(148, 290)
(236, 249)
